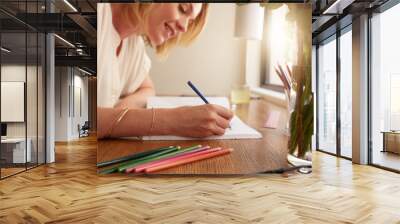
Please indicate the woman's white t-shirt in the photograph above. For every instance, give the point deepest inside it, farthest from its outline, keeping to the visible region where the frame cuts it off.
(120, 75)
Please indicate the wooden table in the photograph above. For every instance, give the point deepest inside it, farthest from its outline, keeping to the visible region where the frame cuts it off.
(391, 141)
(249, 156)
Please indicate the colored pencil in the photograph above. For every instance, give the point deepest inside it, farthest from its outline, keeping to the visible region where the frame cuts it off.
(188, 160)
(142, 167)
(131, 169)
(191, 85)
(133, 156)
(197, 92)
(153, 157)
(161, 152)
(109, 170)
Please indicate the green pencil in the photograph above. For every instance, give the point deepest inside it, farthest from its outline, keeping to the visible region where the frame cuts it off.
(108, 171)
(156, 153)
(154, 157)
(130, 157)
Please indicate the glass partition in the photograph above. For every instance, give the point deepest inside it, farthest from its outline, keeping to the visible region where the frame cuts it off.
(31, 100)
(22, 88)
(14, 151)
(327, 96)
(41, 85)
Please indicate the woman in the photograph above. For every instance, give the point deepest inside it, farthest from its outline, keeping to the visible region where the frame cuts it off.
(123, 71)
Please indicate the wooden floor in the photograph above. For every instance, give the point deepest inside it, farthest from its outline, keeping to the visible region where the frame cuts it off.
(10, 171)
(70, 191)
(386, 159)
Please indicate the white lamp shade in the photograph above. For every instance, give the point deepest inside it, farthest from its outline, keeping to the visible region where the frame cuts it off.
(249, 21)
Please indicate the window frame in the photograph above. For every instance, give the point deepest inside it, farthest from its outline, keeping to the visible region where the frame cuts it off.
(333, 37)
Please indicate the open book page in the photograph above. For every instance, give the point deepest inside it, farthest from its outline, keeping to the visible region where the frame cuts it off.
(238, 130)
(171, 102)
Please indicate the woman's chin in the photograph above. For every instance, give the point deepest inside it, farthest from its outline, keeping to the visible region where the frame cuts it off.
(157, 42)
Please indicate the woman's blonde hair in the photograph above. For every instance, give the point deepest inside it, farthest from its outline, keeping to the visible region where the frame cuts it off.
(138, 13)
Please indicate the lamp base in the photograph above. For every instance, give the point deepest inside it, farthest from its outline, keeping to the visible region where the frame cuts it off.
(304, 164)
(240, 94)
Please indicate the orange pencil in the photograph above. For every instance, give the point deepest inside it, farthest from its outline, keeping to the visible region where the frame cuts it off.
(188, 160)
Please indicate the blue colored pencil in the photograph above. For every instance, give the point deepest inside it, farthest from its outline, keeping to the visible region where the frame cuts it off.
(197, 92)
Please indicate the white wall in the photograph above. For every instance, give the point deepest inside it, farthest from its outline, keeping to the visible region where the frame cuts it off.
(81, 83)
(213, 62)
(61, 104)
(68, 81)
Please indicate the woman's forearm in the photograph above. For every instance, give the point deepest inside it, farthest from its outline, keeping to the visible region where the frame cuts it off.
(135, 122)
(137, 99)
(195, 121)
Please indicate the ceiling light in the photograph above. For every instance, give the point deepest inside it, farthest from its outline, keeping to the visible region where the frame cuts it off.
(338, 6)
(70, 5)
(80, 51)
(5, 50)
(84, 71)
(65, 41)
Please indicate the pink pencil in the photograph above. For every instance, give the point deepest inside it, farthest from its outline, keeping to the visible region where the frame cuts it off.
(188, 160)
(148, 164)
(171, 160)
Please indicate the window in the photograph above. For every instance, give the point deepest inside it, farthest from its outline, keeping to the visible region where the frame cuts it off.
(385, 88)
(394, 101)
(346, 93)
(283, 39)
(327, 96)
(334, 93)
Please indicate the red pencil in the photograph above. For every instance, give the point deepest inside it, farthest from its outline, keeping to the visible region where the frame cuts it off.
(188, 160)
(142, 167)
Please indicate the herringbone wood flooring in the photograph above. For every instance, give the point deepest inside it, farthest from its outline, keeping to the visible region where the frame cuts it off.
(70, 191)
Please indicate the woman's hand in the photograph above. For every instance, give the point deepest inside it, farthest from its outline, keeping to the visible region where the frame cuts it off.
(195, 121)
